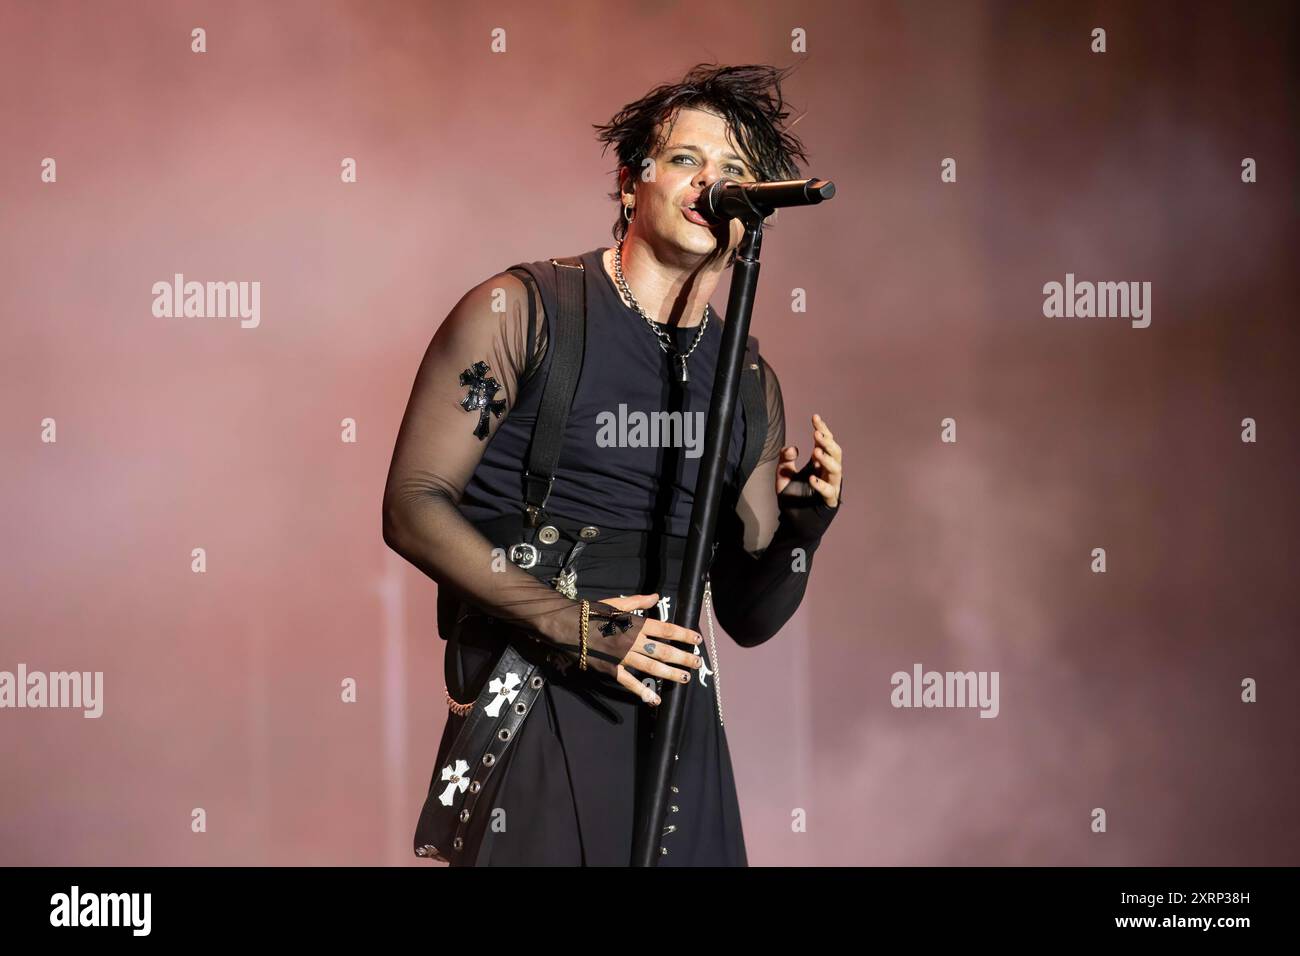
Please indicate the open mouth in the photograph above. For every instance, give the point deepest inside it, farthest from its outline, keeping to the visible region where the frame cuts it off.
(690, 213)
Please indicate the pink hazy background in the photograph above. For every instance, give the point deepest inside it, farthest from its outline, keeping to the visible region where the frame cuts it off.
(222, 690)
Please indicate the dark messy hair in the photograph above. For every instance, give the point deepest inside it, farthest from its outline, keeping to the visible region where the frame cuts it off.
(748, 98)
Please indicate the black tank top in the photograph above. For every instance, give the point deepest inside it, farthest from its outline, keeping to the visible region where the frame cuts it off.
(634, 438)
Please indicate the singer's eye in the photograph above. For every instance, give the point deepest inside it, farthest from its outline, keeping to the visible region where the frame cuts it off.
(739, 170)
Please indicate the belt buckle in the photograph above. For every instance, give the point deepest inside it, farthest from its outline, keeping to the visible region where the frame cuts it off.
(523, 554)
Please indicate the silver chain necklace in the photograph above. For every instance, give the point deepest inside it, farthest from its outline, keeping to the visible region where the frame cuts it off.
(665, 340)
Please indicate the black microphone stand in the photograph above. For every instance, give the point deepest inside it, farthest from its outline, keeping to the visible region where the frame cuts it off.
(653, 797)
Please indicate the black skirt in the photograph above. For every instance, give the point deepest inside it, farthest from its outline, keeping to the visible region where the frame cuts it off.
(565, 791)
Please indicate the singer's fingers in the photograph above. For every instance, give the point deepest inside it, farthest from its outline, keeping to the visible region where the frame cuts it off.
(654, 668)
(667, 630)
(820, 424)
(666, 652)
(628, 682)
(632, 602)
(831, 465)
(830, 492)
(824, 440)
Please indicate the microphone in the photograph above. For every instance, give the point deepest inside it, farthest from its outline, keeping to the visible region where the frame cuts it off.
(727, 199)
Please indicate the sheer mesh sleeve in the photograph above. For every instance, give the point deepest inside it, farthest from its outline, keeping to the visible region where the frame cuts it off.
(765, 547)
(467, 382)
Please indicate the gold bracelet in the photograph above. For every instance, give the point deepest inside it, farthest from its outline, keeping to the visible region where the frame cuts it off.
(586, 617)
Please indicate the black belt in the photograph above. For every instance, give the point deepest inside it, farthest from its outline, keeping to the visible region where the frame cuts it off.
(608, 542)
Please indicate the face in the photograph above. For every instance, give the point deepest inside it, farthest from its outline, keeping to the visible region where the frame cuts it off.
(697, 152)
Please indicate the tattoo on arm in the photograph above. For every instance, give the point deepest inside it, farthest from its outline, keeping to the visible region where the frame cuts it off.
(482, 387)
(616, 622)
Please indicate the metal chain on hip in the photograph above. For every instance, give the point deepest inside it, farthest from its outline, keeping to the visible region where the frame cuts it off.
(713, 646)
(665, 340)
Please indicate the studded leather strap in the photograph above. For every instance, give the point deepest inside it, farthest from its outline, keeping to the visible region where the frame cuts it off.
(508, 694)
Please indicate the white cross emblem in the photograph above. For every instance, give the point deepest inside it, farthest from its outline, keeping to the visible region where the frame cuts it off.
(663, 604)
(705, 670)
(458, 777)
(505, 690)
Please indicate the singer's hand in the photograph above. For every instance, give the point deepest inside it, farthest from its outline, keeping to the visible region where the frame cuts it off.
(822, 474)
(652, 649)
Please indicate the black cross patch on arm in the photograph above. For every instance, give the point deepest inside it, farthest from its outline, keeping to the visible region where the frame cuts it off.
(482, 387)
(616, 622)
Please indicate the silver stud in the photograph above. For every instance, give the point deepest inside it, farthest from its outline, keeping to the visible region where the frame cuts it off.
(520, 707)
(753, 366)
(504, 733)
(489, 759)
(589, 532)
(475, 787)
(663, 851)
(674, 789)
(464, 815)
(536, 682)
(548, 535)
(675, 808)
(668, 829)
(458, 843)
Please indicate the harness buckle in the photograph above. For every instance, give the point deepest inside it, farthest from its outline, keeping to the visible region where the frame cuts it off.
(523, 554)
(536, 490)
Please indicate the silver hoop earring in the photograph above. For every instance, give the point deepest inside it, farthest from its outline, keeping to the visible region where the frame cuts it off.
(626, 209)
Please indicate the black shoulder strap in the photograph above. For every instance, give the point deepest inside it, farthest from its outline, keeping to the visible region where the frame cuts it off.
(567, 348)
(754, 400)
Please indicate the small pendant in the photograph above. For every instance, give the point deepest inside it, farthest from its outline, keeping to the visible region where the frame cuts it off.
(683, 377)
(566, 582)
